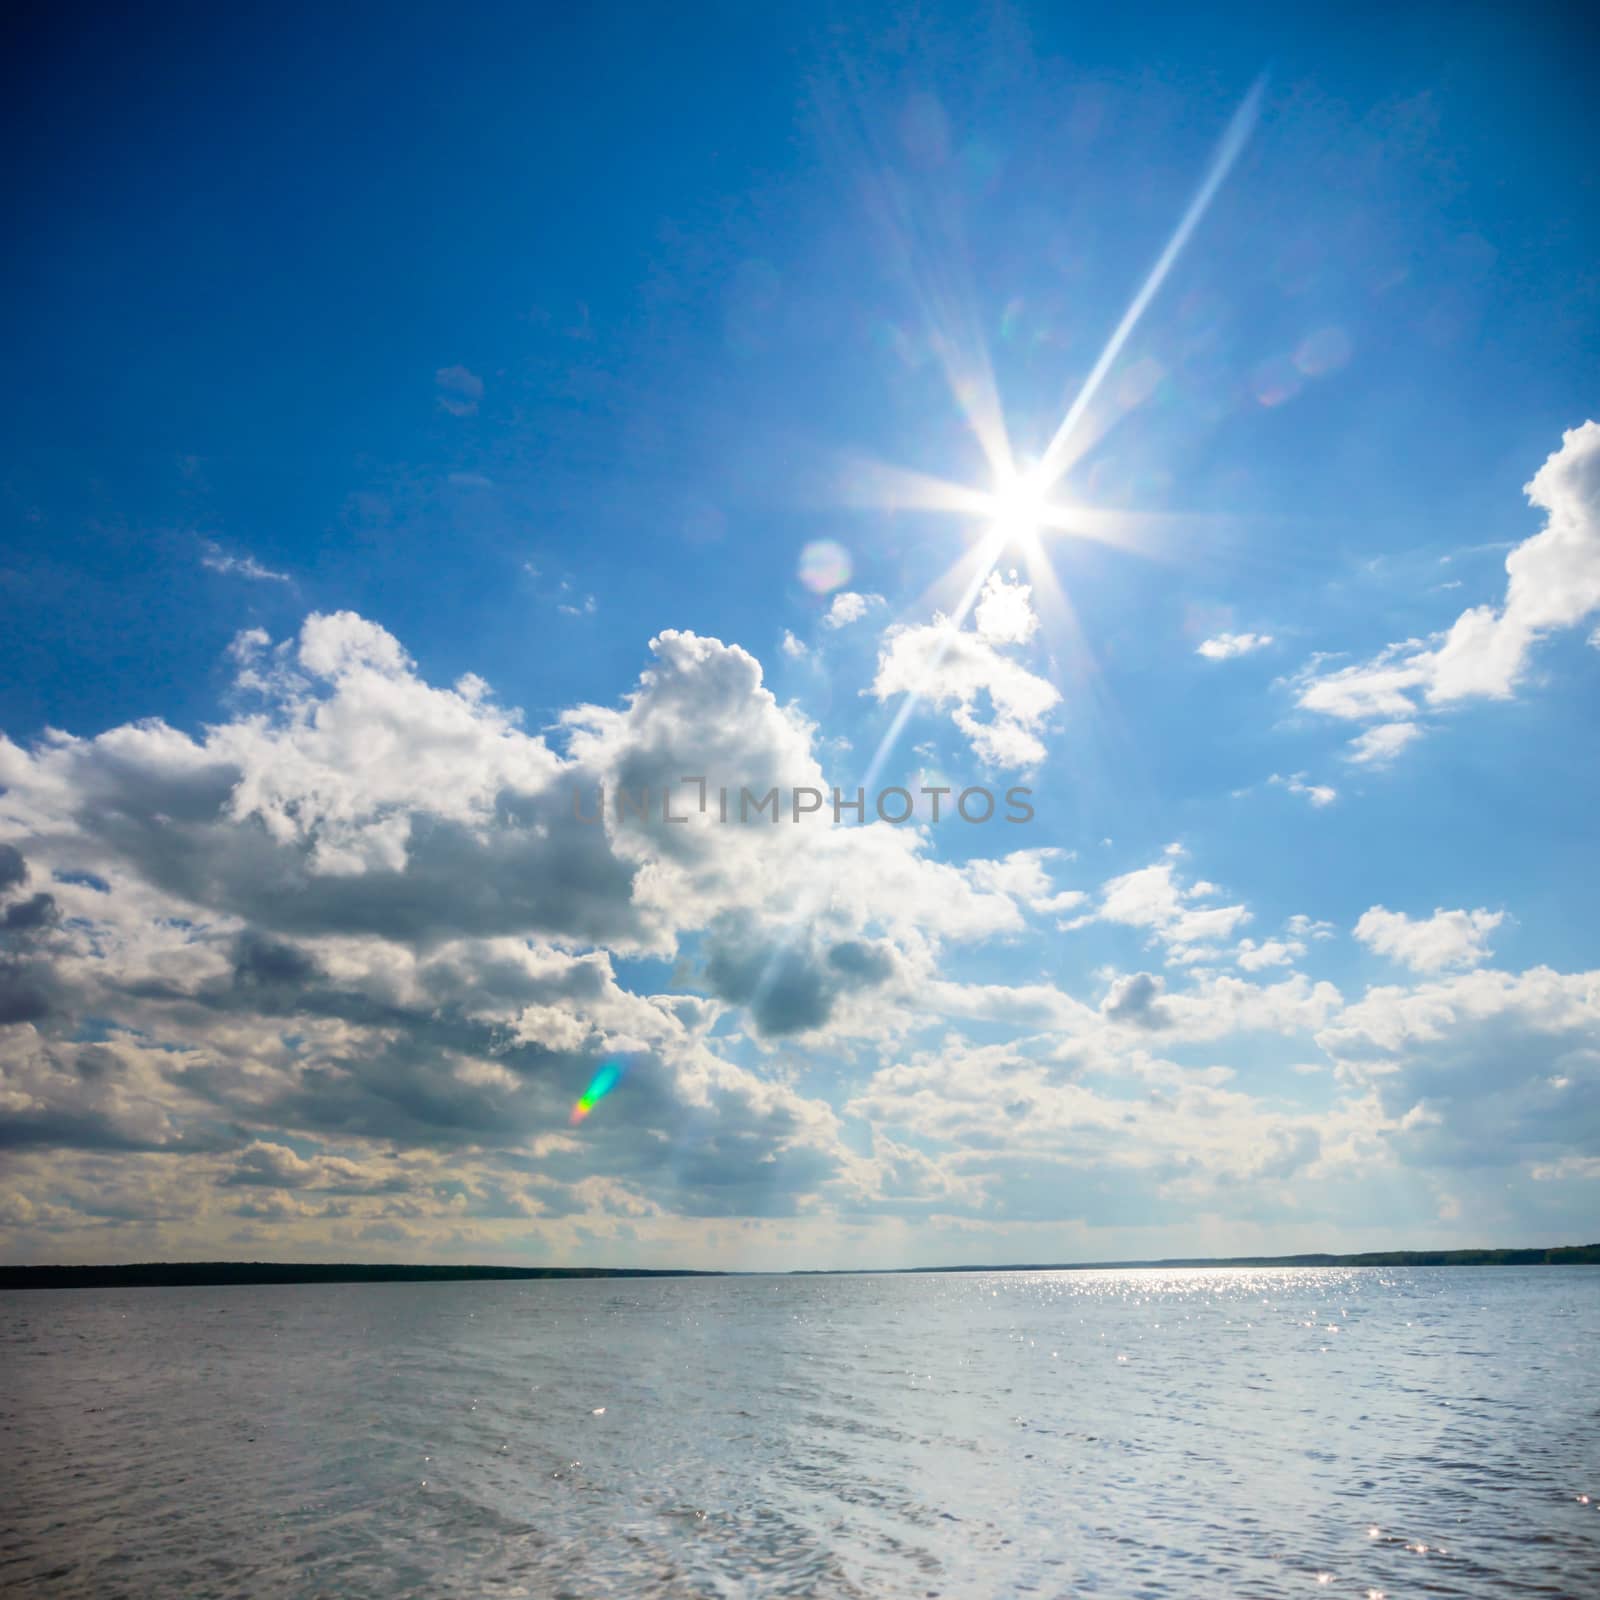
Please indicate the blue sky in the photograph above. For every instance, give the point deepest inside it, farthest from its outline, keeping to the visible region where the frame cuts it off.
(412, 418)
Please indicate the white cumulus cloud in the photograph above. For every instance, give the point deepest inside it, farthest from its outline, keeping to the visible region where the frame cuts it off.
(1429, 944)
(848, 607)
(1552, 583)
(960, 668)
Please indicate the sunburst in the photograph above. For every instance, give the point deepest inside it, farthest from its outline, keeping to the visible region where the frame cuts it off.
(1024, 504)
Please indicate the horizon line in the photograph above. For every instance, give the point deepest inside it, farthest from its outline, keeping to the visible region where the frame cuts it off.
(201, 1274)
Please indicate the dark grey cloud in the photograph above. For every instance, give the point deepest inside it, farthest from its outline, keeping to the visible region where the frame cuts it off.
(29, 988)
(13, 869)
(1136, 1001)
(267, 1165)
(353, 954)
(790, 985)
(83, 1097)
(37, 912)
(539, 871)
(24, 996)
(260, 962)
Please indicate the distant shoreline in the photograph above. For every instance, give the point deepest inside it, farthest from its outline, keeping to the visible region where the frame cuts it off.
(203, 1274)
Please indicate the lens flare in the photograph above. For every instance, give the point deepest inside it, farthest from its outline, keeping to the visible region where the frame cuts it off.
(600, 1085)
(1323, 352)
(1020, 507)
(824, 566)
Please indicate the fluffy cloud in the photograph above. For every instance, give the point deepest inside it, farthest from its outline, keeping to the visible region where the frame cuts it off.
(1253, 957)
(1225, 646)
(1024, 876)
(1481, 1069)
(1175, 913)
(1136, 1001)
(791, 984)
(325, 978)
(1430, 944)
(959, 668)
(1552, 583)
(364, 914)
(1030, 1136)
(1004, 613)
(849, 607)
(1378, 746)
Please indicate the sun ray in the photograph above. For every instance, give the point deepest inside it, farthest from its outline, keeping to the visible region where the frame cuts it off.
(1018, 505)
(878, 486)
(984, 558)
(925, 247)
(1017, 509)
(1058, 456)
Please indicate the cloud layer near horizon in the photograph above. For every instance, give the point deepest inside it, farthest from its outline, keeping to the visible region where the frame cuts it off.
(328, 976)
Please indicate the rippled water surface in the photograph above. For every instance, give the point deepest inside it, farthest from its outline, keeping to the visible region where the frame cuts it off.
(1283, 1432)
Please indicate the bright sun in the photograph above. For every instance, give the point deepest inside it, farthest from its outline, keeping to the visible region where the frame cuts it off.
(1020, 508)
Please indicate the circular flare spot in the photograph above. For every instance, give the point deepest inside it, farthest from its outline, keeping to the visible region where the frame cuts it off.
(1323, 352)
(824, 566)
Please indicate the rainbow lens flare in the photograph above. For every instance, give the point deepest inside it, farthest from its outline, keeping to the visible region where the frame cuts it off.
(824, 566)
(600, 1085)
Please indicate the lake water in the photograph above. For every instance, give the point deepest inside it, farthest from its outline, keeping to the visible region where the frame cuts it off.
(1183, 1433)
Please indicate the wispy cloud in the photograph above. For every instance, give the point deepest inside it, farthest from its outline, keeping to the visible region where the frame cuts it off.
(1227, 645)
(1378, 746)
(215, 559)
(460, 390)
(1319, 794)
